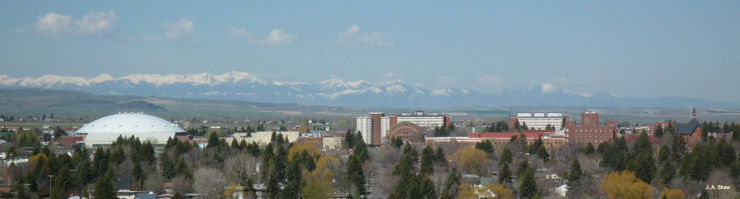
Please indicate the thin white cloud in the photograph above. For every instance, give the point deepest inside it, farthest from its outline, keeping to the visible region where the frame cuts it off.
(392, 76)
(354, 36)
(58, 26)
(179, 30)
(240, 33)
(559, 80)
(548, 87)
(490, 80)
(96, 23)
(53, 25)
(279, 38)
(276, 37)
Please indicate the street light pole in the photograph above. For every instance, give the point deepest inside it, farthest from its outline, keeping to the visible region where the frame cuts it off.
(50, 184)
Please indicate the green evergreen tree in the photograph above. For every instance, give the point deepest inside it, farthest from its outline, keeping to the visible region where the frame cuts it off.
(62, 183)
(356, 174)
(213, 141)
(36, 149)
(280, 162)
(234, 144)
(485, 146)
(659, 131)
(535, 146)
(361, 151)
(589, 149)
(505, 155)
(85, 193)
(182, 169)
(642, 145)
(117, 156)
(293, 187)
(735, 170)
(266, 162)
(697, 164)
(678, 147)
(167, 166)
(139, 175)
(528, 185)
(504, 174)
(543, 154)
(664, 154)
(427, 161)
(272, 184)
(100, 162)
(396, 142)
(350, 138)
(725, 152)
(704, 194)
(643, 166)
(667, 172)
(439, 157)
(59, 133)
(574, 176)
(450, 189)
(522, 168)
(104, 188)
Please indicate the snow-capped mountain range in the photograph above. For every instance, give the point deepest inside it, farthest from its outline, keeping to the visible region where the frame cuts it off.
(248, 87)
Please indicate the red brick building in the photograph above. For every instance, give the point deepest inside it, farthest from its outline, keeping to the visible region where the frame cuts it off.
(691, 132)
(502, 139)
(407, 131)
(376, 136)
(72, 140)
(590, 131)
(653, 127)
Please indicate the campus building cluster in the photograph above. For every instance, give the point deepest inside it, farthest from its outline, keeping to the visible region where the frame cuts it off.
(376, 126)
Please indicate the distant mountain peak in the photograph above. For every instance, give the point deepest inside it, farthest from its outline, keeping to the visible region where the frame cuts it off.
(244, 86)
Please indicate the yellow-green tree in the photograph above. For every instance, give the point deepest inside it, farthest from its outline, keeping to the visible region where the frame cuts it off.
(624, 184)
(233, 191)
(484, 191)
(318, 183)
(298, 148)
(470, 158)
(672, 193)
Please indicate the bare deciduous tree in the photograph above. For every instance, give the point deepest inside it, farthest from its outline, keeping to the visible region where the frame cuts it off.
(153, 182)
(181, 185)
(389, 155)
(719, 178)
(240, 167)
(209, 182)
(125, 168)
(690, 187)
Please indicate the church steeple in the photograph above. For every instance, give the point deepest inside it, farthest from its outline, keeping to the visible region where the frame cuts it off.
(693, 113)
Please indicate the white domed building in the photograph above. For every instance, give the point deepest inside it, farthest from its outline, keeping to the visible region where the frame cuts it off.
(106, 130)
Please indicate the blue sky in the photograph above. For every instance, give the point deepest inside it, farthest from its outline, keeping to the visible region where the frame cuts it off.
(630, 49)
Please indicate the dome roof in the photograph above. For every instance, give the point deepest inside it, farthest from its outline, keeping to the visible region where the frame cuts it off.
(130, 123)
